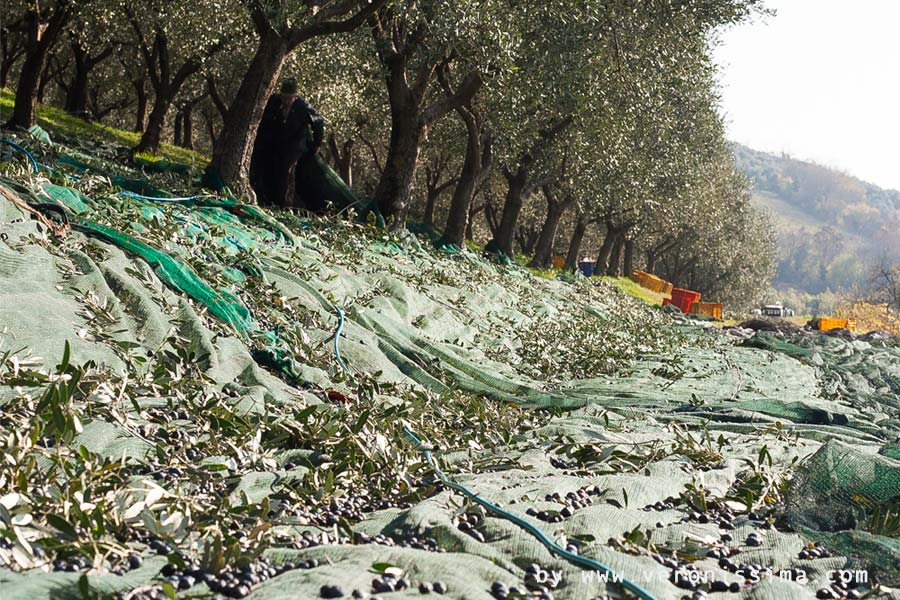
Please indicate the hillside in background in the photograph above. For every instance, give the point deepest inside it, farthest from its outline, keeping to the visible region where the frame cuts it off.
(831, 226)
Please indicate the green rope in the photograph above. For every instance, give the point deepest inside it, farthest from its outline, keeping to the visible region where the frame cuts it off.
(581, 561)
(34, 164)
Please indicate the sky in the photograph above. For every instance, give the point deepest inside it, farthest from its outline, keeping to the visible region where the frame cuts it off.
(820, 80)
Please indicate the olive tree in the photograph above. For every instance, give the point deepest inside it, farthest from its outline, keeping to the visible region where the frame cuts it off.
(43, 23)
(435, 58)
(280, 26)
(175, 41)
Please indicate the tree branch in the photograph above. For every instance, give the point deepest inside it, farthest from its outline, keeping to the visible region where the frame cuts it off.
(463, 95)
(260, 21)
(193, 64)
(217, 100)
(372, 150)
(93, 61)
(143, 46)
(296, 36)
(161, 44)
(333, 147)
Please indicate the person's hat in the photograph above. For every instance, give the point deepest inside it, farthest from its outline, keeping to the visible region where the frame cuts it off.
(289, 87)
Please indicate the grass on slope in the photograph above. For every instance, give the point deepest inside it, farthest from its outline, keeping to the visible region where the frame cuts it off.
(55, 120)
(627, 285)
(623, 283)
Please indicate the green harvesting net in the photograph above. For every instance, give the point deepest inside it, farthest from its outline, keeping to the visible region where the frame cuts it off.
(178, 275)
(212, 328)
(850, 500)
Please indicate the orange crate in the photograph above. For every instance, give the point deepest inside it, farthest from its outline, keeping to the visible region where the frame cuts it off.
(559, 262)
(827, 323)
(651, 282)
(707, 309)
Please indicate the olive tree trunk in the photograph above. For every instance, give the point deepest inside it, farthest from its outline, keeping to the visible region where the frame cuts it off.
(179, 125)
(517, 192)
(435, 185)
(556, 208)
(342, 158)
(575, 244)
(11, 48)
(40, 38)
(152, 135)
(606, 248)
(520, 187)
(234, 144)
(187, 133)
(395, 185)
(140, 114)
(628, 258)
(77, 92)
(407, 90)
(615, 256)
(476, 167)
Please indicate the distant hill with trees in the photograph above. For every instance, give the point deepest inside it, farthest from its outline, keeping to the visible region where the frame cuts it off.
(832, 227)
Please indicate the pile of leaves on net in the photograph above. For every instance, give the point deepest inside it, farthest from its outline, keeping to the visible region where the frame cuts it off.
(66, 508)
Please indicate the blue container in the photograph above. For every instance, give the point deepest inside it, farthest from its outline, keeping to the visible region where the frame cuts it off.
(586, 268)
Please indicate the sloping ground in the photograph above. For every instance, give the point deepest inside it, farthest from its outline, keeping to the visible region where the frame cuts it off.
(198, 398)
(786, 216)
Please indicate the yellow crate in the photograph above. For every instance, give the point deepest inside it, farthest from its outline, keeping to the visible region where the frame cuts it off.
(654, 283)
(651, 282)
(827, 323)
(707, 309)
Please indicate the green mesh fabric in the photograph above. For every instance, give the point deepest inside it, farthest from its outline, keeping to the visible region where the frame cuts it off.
(138, 186)
(839, 485)
(39, 133)
(878, 555)
(851, 500)
(74, 163)
(412, 323)
(161, 166)
(178, 275)
(767, 341)
(73, 200)
(320, 180)
(445, 246)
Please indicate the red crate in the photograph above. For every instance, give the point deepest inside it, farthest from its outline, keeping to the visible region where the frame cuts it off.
(684, 298)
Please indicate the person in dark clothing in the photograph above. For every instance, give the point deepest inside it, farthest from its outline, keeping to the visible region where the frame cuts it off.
(290, 131)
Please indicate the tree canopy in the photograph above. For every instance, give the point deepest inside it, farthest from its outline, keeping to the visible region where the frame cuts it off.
(571, 127)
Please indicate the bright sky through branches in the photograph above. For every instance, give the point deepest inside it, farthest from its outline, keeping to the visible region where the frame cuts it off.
(820, 81)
